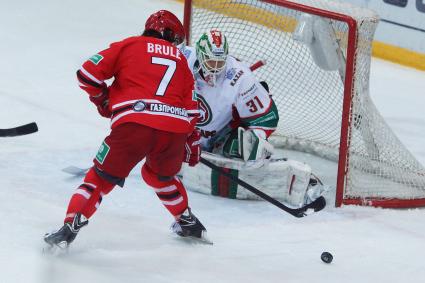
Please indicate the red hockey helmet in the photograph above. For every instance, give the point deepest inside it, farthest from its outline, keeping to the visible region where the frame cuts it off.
(167, 24)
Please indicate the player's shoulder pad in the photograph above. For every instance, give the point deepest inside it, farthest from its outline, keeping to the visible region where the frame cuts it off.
(124, 42)
(128, 40)
(188, 51)
(190, 56)
(238, 72)
(97, 58)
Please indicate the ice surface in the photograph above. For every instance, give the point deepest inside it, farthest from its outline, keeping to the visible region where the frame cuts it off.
(128, 240)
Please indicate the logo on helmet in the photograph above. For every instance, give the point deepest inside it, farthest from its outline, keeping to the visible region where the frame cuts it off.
(216, 37)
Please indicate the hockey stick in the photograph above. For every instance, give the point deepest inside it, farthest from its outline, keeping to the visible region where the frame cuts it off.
(315, 206)
(76, 171)
(19, 131)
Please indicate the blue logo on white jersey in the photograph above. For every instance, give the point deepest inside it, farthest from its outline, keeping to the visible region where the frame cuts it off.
(186, 53)
(230, 73)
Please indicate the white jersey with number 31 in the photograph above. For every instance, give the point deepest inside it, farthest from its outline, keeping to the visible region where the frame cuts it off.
(236, 88)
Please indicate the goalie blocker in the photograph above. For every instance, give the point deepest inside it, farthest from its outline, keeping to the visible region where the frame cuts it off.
(286, 180)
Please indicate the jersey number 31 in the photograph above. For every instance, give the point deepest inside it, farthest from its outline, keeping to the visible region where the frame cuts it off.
(252, 104)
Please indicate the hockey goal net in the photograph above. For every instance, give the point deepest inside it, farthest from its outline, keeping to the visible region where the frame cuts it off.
(324, 104)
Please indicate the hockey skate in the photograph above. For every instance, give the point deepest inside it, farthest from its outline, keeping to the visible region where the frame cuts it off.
(63, 237)
(188, 226)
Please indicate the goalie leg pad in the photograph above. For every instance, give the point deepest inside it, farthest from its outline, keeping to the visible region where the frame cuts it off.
(286, 180)
(223, 186)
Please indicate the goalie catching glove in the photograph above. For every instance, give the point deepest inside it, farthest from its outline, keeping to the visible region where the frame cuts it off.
(102, 102)
(253, 147)
(192, 148)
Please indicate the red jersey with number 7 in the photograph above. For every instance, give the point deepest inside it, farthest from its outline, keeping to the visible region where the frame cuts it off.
(152, 85)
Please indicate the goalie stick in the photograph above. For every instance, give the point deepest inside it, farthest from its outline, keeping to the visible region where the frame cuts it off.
(19, 131)
(80, 172)
(317, 205)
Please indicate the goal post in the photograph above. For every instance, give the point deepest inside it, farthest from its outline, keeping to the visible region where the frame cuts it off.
(318, 55)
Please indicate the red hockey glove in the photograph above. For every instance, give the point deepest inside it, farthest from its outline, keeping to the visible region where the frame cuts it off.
(192, 148)
(102, 103)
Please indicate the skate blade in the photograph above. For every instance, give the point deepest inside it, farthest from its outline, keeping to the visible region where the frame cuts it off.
(55, 250)
(204, 239)
(76, 171)
(191, 239)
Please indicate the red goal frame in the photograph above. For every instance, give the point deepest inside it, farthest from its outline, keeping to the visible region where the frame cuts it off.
(345, 132)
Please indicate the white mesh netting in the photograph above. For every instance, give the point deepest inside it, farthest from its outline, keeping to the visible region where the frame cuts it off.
(309, 98)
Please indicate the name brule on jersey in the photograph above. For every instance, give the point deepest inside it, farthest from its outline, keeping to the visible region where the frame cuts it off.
(163, 50)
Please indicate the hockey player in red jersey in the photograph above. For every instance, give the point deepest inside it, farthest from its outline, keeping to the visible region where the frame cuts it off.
(153, 112)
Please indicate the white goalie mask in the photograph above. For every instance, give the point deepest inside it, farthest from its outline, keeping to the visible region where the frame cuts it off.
(211, 52)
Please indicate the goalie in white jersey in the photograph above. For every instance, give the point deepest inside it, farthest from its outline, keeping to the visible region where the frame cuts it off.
(230, 98)
(237, 116)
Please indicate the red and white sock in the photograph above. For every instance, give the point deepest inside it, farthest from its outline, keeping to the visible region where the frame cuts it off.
(88, 196)
(171, 193)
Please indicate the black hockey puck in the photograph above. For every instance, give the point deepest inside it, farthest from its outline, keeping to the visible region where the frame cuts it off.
(326, 257)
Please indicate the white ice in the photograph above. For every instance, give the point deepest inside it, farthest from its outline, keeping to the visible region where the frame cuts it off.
(42, 45)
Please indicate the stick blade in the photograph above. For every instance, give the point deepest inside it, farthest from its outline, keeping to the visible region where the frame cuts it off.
(29, 128)
(204, 239)
(317, 205)
(19, 131)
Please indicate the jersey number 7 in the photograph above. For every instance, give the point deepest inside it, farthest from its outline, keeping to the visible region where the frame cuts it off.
(169, 73)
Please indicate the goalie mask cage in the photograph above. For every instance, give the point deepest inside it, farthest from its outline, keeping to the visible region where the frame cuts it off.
(322, 112)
